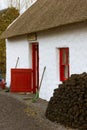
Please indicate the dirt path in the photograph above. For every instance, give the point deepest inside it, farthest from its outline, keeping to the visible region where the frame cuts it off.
(19, 113)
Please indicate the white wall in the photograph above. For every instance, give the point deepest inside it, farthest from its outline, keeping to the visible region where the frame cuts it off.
(74, 37)
(16, 47)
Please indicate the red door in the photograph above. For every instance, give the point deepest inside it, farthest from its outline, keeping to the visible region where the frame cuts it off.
(21, 80)
(35, 66)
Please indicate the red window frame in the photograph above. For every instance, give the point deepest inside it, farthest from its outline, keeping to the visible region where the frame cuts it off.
(64, 63)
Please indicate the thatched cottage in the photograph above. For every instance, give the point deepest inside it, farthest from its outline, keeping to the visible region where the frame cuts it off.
(52, 34)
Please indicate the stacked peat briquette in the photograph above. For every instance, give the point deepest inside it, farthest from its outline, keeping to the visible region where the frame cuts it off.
(68, 105)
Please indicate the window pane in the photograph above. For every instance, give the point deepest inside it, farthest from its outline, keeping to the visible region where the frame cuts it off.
(64, 63)
(64, 56)
(66, 68)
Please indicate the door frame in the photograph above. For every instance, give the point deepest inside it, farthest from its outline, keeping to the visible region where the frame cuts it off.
(35, 66)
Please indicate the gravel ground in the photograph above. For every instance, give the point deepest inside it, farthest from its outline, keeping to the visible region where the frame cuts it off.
(18, 112)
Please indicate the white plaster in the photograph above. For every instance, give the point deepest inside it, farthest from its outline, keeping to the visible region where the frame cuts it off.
(74, 37)
(16, 47)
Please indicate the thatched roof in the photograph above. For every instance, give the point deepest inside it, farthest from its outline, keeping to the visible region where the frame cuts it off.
(47, 14)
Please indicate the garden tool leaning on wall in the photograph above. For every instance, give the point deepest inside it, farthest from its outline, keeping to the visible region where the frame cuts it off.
(15, 68)
(37, 93)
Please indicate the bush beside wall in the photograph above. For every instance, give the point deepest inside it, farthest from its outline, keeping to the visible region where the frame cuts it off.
(7, 16)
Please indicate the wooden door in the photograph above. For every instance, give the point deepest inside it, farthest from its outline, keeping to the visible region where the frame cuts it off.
(35, 66)
(21, 80)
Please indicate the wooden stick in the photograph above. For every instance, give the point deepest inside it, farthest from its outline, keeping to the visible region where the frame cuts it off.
(42, 78)
(17, 62)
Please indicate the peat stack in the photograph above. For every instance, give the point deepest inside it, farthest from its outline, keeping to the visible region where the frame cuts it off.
(68, 105)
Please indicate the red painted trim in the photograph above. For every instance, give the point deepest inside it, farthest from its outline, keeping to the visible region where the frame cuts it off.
(63, 65)
(21, 80)
(61, 69)
(35, 66)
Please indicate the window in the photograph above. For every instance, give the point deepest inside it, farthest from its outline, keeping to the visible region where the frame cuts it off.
(64, 63)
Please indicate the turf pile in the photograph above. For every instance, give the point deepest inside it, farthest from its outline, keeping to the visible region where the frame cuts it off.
(68, 105)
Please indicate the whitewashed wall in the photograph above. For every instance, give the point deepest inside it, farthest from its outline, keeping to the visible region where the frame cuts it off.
(74, 37)
(16, 47)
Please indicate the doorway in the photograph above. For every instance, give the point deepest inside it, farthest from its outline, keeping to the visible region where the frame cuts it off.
(35, 66)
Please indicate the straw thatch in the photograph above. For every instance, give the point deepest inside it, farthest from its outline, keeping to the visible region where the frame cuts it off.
(47, 14)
